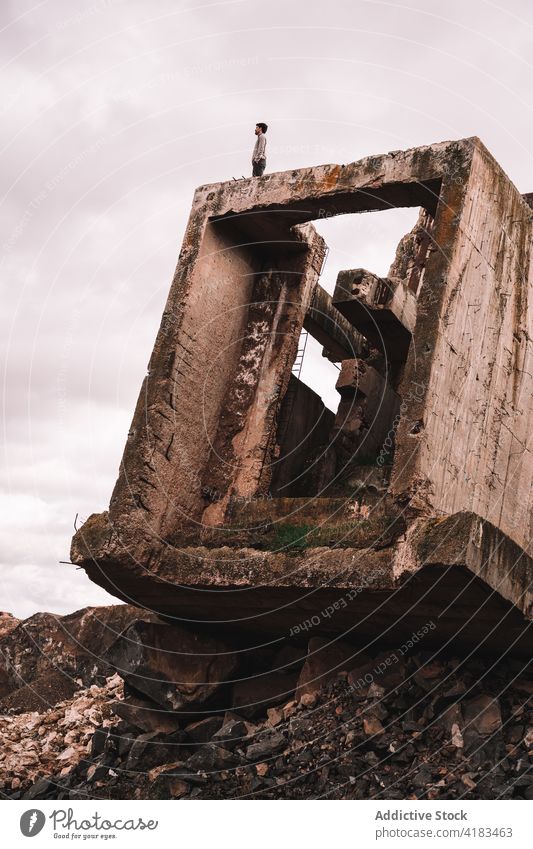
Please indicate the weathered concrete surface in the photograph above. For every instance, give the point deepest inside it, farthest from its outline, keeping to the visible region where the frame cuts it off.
(172, 666)
(413, 251)
(240, 460)
(367, 409)
(304, 463)
(323, 663)
(364, 501)
(465, 441)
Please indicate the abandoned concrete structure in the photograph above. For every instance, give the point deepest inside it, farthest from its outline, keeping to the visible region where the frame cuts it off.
(244, 503)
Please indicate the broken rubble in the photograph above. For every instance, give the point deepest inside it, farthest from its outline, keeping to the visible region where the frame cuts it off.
(230, 734)
(145, 715)
(268, 744)
(202, 731)
(341, 745)
(34, 744)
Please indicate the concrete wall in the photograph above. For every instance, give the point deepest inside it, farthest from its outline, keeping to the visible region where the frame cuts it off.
(204, 421)
(465, 441)
(194, 360)
(239, 466)
(306, 425)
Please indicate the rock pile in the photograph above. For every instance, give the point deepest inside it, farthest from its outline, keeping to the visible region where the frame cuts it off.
(7, 624)
(37, 746)
(184, 718)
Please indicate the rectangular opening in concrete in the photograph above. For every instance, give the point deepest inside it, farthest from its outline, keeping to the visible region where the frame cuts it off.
(255, 445)
(331, 423)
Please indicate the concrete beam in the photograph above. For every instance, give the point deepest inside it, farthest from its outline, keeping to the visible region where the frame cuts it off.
(329, 327)
(240, 461)
(383, 310)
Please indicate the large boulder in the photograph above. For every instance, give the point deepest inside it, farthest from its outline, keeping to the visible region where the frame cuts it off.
(174, 667)
(146, 716)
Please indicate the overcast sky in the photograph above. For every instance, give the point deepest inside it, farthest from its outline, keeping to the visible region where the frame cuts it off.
(112, 112)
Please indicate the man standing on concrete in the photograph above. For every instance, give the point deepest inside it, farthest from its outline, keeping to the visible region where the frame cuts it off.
(259, 155)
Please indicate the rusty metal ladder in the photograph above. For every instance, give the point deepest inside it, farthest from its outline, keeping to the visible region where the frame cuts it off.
(299, 359)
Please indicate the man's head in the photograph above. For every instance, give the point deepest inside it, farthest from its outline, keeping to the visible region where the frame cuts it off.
(260, 128)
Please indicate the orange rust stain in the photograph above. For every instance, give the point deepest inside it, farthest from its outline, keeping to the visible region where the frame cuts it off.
(448, 212)
(323, 185)
(331, 180)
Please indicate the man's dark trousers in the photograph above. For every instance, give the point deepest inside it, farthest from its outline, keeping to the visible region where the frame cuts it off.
(258, 168)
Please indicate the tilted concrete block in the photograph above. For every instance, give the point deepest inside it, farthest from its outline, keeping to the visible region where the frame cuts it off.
(454, 319)
(383, 310)
(368, 408)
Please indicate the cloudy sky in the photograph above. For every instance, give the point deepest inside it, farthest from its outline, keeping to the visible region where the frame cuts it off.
(111, 113)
